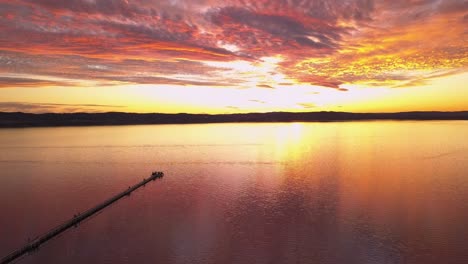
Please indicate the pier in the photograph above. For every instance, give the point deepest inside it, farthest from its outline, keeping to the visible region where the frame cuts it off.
(36, 243)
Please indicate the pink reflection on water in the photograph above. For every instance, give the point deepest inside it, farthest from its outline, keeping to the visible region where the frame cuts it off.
(360, 192)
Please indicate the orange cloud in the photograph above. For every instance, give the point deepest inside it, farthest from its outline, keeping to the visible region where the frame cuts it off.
(330, 44)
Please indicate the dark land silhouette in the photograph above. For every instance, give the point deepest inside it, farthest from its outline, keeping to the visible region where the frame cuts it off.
(18, 119)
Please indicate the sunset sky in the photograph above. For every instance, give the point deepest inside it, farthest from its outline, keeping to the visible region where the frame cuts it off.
(233, 56)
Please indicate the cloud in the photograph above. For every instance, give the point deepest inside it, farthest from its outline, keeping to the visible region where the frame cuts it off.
(307, 105)
(426, 79)
(257, 101)
(264, 86)
(14, 82)
(52, 107)
(105, 7)
(105, 72)
(232, 107)
(321, 43)
(285, 28)
(163, 80)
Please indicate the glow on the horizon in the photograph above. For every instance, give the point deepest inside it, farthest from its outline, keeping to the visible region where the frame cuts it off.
(163, 98)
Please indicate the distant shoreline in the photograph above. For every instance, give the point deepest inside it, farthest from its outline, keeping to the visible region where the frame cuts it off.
(17, 119)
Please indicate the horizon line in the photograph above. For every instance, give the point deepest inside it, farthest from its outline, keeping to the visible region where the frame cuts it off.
(239, 113)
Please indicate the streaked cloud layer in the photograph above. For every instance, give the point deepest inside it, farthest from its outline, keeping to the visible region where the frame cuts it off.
(317, 47)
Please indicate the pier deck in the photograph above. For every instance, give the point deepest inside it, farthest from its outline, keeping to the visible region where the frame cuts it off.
(33, 245)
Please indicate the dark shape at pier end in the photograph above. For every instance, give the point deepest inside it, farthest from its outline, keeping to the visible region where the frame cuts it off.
(157, 174)
(75, 220)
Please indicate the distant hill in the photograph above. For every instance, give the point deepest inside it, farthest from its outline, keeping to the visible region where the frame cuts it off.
(115, 118)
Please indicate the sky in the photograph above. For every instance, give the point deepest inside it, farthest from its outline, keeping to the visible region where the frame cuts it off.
(233, 56)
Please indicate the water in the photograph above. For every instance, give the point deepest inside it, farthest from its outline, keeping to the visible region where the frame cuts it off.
(354, 192)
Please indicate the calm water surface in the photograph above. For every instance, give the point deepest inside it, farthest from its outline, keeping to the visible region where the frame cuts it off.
(356, 192)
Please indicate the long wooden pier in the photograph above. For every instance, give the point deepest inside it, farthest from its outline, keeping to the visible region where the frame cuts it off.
(34, 245)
